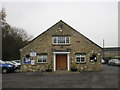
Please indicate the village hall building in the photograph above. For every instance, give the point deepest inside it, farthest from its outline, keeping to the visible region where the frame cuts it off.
(60, 47)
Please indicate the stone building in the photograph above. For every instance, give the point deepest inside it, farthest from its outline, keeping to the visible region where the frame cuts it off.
(60, 47)
(113, 52)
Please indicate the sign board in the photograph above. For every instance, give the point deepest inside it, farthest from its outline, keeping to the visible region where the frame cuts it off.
(32, 54)
(32, 62)
(26, 61)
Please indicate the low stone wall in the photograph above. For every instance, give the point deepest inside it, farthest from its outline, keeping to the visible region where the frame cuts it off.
(33, 68)
(80, 67)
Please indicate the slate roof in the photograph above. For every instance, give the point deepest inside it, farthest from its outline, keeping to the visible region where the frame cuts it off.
(111, 49)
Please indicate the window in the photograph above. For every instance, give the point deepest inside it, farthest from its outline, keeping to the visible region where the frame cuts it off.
(80, 58)
(67, 39)
(61, 40)
(42, 58)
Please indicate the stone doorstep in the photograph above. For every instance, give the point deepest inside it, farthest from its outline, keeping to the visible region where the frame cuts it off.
(60, 72)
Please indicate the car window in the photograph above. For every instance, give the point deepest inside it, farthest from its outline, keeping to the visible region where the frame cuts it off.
(8, 62)
(17, 61)
(14, 62)
(117, 60)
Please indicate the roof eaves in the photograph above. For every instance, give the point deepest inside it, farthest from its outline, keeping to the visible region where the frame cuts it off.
(83, 35)
(41, 34)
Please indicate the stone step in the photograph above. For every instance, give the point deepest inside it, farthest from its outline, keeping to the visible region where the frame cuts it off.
(62, 72)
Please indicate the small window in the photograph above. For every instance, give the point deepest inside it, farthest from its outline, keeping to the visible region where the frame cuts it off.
(80, 58)
(61, 40)
(42, 58)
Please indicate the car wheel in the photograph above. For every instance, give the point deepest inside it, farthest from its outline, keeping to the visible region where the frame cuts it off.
(109, 64)
(4, 70)
(112, 64)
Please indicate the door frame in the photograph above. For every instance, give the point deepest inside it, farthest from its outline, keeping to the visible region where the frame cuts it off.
(68, 59)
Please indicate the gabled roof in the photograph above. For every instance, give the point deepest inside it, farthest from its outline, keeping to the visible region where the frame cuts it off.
(68, 26)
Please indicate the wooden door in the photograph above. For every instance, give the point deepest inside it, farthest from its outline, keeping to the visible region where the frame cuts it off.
(61, 61)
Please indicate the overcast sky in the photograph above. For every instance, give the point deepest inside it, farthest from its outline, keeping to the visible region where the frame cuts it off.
(95, 20)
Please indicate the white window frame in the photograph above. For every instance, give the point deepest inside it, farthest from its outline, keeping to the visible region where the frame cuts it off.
(57, 40)
(80, 56)
(42, 58)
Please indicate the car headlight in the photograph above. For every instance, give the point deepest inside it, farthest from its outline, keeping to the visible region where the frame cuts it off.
(9, 65)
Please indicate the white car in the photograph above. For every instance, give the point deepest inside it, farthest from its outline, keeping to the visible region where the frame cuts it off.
(102, 61)
(17, 66)
(8, 62)
(18, 61)
(114, 62)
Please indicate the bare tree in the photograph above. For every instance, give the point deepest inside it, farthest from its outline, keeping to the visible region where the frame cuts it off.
(13, 38)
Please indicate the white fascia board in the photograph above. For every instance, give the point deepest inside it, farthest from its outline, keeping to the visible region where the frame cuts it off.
(61, 52)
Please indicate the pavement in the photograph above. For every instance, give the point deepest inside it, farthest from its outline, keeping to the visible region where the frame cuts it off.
(107, 78)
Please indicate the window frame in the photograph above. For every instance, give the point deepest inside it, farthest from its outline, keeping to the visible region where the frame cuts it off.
(80, 56)
(57, 43)
(42, 58)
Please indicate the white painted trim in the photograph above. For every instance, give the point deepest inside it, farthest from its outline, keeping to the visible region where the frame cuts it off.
(54, 62)
(68, 62)
(69, 40)
(61, 43)
(68, 59)
(61, 52)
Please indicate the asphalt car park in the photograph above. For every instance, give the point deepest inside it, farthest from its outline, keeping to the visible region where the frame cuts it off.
(107, 78)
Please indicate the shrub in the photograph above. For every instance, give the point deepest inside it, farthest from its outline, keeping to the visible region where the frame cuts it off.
(73, 67)
(49, 66)
(49, 69)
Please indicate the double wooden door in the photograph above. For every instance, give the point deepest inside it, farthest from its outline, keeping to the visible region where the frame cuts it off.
(61, 61)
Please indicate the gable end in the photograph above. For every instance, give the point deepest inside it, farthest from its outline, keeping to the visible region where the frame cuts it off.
(61, 27)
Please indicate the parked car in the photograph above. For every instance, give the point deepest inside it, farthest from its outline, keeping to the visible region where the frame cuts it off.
(102, 61)
(18, 61)
(5, 68)
(114, 62)
(17, 66)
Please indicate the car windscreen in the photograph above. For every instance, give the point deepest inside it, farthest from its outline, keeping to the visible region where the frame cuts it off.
(8, 62)
(17, 61)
